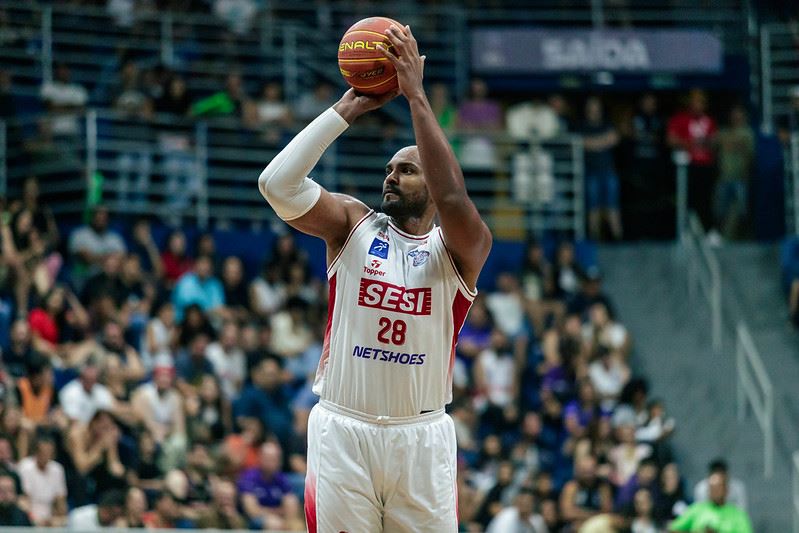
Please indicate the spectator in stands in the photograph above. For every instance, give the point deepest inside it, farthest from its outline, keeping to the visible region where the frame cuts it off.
(601, 180)
(143, 246)
(736, 153)
(507, 306)
(20, 349)
(44, 484)
(51, 324)
(159, 406)
(478, 117)
(227, 103)
(519, 517)
(175, 99)
(266, 493)
(714, 514)
(208, 414)
(200, 287)
(228, 360)
(10, 512)
(43, 220)
(643, 520)
(586, 495)
(442, 106)
(223, 512)
(608, 373)
(235, 286)
(166, 513)
(272, 115)
(34, 391)
(96, 517)
(238, 15)
(567, 272)
(19, 254)
(602, 330)
(267, 291)
(192, 365)
(626, 455)
(65, 100)
(110, 344)
(94, 450)
(312, 103)
(92, 243)
(647, 190)
(645, 477)
(266, 399)
(735, 489)
(694, 131)
(160, 335)
(671, 500)
(175, 258)
(291, 334)
(495, 379)
(135, 508)
(82, 397)
(584, 410)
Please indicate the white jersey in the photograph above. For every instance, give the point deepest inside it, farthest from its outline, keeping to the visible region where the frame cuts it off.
(397, 304)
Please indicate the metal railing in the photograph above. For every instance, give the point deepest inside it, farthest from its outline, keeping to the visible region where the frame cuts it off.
(795, 483)
(755, 388)
(779, 65)
(704, 273)
(206, 170)
(792, 187)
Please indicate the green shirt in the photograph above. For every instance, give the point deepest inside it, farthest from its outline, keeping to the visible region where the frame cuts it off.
(723, 519)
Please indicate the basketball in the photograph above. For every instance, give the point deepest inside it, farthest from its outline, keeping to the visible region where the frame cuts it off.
(363, 66)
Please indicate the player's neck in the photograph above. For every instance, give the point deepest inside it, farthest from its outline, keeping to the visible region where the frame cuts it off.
(414, 225)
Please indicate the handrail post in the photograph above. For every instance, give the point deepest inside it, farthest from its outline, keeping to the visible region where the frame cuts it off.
(716, 311)
(681, 160)
(201, 162)
(740, 363)
(579, 182)
(290, 59)
(768, 437)
(47, 44)
(3, 159)
(91, 148)
(167, 39)
(794, 177)
(765, 78)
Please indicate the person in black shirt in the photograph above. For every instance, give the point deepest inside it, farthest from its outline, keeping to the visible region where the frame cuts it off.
(10, 513)
(236, 296)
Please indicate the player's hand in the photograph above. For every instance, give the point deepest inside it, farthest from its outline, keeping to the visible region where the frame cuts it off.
(352, 104)
(408, 62)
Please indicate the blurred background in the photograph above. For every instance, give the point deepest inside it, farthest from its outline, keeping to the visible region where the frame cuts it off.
(633, 351)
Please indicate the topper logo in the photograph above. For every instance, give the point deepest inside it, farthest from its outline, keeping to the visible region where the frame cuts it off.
(382, 295)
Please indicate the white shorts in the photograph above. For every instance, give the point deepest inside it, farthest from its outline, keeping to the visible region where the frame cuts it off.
(368, 474)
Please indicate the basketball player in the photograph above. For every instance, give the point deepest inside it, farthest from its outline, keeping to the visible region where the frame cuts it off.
(381, 450)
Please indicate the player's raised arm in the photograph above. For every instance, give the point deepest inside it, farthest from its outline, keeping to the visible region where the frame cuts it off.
(466, 235)
(300, 201)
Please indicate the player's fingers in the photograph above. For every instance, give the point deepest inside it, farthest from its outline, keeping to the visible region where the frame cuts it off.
(386, 52)
(400, 31)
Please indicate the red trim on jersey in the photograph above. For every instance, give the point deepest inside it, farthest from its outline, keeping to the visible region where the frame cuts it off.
(471, 292)
(331, 304)
(310, 502)
(408, 235)
(347, 241)
(460, 308)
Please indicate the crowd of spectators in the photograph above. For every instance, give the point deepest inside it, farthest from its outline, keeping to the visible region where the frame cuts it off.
(154, 384)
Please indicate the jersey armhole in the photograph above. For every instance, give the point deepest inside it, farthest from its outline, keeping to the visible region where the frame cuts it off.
(334, 263)
(468, 293)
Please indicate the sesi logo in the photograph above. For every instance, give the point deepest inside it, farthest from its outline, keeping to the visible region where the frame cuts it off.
(382, 295)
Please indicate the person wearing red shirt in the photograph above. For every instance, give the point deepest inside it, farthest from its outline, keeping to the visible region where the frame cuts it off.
(174, 259)
(694, 131)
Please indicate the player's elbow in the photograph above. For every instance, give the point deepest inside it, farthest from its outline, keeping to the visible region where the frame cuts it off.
(267, 175)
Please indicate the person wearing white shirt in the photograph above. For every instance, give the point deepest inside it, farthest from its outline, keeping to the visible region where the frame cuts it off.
(228, 359)
(519, 518)
(44, 483)
(83, 396)
(98, 516)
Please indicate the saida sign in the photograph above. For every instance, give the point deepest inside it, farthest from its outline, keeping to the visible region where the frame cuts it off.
(520, 51)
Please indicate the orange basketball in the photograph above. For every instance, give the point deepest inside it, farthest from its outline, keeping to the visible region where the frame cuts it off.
(363, 66)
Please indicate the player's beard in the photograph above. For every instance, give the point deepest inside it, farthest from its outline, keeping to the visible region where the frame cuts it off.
(404, 207)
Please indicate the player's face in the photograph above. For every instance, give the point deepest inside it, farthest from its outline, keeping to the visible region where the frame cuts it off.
(404, 190)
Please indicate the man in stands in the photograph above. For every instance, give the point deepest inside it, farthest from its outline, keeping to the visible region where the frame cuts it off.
(715, 515)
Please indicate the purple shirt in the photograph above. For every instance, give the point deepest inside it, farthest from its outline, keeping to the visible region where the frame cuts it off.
(584, 416)
(269, 492)
(480, 114)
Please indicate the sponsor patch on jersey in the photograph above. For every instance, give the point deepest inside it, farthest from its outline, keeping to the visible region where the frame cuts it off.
(388, 356)
(419, 257)
(379, 248)
(382, 295)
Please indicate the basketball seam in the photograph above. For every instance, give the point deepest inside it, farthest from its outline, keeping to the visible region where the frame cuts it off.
(364, 60)
(376, 84)
(383, 35)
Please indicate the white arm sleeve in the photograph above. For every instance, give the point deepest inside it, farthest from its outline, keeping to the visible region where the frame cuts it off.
(284, 182)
